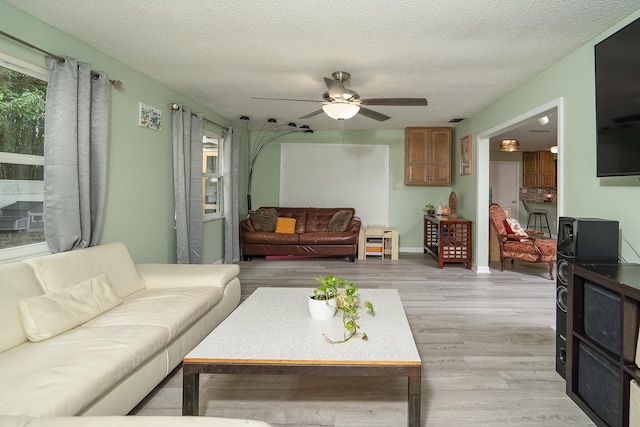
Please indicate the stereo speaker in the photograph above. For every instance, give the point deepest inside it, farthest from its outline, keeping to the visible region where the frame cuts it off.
(580, 240)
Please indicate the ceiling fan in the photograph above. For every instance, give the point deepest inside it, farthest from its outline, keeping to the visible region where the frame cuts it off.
(342, 103)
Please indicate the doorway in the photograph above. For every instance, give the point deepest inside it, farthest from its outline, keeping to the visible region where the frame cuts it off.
(483, 181)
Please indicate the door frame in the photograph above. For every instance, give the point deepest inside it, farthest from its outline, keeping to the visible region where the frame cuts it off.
(482, 189)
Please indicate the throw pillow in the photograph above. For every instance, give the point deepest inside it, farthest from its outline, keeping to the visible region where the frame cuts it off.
(508, 227)
(286, 225)
(51, 314)
(517, 228)
(340, 220)
(264, 220)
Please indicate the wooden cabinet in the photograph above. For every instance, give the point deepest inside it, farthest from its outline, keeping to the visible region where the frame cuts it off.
(602, 334)
(538, 169)
(447, 240)
(427, 156)
(546, 169)
(530, 169)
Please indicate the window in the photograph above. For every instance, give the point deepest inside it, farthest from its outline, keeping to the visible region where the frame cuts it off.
(212, 175)
(22, 104)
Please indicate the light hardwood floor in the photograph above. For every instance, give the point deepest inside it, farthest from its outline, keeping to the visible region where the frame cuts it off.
(486, 342)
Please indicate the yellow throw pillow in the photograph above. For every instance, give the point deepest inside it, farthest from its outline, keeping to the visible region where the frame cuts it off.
(286, 225)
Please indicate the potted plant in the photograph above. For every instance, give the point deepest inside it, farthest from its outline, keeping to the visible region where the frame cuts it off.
(429, 209)
(322, 303)
(344, 300)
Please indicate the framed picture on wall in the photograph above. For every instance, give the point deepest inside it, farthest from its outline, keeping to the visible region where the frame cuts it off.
(465, 155)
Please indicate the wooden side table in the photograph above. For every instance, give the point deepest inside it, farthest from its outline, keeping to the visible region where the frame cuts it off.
(380, 240)
(447, 240)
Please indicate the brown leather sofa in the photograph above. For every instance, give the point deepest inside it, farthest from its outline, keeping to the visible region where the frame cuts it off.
(310, 237)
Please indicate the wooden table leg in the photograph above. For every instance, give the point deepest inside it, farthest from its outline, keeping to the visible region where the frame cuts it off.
(190, 393)
(414, 398)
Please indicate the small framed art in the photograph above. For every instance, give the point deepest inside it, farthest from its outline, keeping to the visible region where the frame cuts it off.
(149, 117)
(465, 155)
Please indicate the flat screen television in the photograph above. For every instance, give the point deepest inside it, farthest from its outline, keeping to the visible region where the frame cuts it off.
(617, 67)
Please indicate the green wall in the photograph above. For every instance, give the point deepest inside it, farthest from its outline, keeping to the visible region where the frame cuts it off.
(569, 83)
(139, 205)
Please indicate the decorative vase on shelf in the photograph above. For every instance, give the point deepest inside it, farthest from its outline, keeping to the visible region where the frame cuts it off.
(453, 204)
(320, 309)
(439, 210)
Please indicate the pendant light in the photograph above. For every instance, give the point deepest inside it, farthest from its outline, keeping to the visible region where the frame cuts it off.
(509, 145)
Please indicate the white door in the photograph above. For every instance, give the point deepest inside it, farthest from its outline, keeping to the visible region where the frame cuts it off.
(503, 181)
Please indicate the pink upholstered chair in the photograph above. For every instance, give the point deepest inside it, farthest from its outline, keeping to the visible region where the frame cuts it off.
(530, 249)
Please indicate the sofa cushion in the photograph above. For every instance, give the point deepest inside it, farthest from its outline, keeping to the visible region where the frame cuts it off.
(58, 271)
(48, 315)
(174, 309)
(264, 220)
(68, 373)
(340, 220)
(260, 238)
(318, 218)
(336, 238)
(299, 214)
(286, 225)
(17, 282)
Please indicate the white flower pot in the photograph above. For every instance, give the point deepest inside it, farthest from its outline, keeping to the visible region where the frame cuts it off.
(321, 309)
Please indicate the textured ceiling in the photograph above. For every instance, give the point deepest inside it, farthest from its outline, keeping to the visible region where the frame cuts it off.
(461, 55)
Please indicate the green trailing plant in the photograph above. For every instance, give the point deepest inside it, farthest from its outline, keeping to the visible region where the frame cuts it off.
(346, 296)
(429, 208)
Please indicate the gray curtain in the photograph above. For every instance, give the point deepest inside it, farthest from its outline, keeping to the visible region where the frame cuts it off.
(75, 154)
(187, 179)
(231, 152)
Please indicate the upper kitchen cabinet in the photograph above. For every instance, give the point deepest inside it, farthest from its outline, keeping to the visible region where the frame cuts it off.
(427, 156)
(538, 169)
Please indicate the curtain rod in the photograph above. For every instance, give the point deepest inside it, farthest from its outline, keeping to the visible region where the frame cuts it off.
(175, 106)
(116, 83)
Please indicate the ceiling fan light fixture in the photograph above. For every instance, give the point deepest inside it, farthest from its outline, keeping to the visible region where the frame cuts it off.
(341, 110)
(509, 145)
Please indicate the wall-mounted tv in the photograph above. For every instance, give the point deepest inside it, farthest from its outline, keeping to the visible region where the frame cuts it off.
(617, 66)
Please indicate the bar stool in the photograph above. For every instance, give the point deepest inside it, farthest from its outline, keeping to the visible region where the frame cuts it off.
(537, 215)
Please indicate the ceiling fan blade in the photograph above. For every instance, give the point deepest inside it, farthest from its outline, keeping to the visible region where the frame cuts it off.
(336, 88)
(287, 99)
(397, 102)
(373, 114)
(312, 114)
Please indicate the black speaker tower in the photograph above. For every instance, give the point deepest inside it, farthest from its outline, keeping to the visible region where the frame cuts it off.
(580, 240)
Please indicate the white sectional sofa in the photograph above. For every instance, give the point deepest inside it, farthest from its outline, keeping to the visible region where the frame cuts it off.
(119, 421)
(89, 332)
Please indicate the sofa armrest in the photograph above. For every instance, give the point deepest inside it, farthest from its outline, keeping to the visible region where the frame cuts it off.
(354, 225)
(246, 225)
(174, 275)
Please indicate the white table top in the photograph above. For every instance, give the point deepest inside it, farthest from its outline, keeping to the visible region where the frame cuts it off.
(274, 326)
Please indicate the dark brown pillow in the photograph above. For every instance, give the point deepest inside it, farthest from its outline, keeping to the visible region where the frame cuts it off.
(265, 220)
(340, 220)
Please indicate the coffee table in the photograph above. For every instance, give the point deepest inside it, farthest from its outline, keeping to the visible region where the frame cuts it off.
(263, 337)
